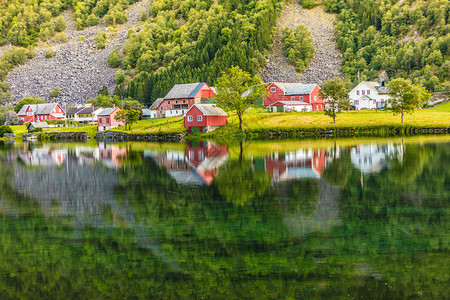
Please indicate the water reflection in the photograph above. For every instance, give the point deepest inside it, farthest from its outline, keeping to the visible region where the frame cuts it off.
(282, 220)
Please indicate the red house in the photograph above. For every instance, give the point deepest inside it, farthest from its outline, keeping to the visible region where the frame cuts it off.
(295, 96)
(204, 118)
(106, 119)
(41, 112)
(181, 98)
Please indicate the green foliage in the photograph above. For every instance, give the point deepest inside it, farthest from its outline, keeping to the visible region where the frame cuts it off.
(298, 46)
(61, 37)
(26, 101)
(92, 20)
(128, 116)
(143, 16)
(308, 3)
(5, 129)
(129, 103)
(408, 39)
(333, 92)
(55, 93)
(231, 87)
(100, 39)
(3, 111)
(60, 24)
(49, 53)
(195, 41)
(114, 58)
(37, 129)
(406, 97)
(104, 91)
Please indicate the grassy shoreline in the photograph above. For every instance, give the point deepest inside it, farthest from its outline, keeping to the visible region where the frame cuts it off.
(262, 125)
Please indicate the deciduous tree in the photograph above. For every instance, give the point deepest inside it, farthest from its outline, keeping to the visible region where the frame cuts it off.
(333, 92)
(128, 116)
(237, 90)
(405, 96)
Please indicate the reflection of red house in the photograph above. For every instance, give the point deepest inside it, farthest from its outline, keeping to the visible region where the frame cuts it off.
(41, 112)
(111, 155)
(206, 159)
(295, 95)
(296, 165)
(204, 118)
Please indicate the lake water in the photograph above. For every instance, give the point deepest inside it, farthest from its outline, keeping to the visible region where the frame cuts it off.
(359, 218)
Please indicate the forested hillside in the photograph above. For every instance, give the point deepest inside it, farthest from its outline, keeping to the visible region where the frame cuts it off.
(190, 41)
(407, 38)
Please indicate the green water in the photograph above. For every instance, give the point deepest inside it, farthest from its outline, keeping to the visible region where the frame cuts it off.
(269, 220)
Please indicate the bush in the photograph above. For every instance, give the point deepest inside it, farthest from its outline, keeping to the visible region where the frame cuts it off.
(82, 38)
(92, 20)
(114, 59)
(308, 3)
(298, 46)
(39, 129)
(143, 16)
(5, 129)
(49, 53)
(61, 37)
(60, 25)
(55, 92)
(100, 40)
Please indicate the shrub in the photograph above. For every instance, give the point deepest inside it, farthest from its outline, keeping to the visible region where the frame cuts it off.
(114, 59)
(143, 17)
(60, 37)
(49, 53)
(92, 20)
(60, 25)
(55, 92)
(100, 40)
(298, 46)
(5, 129)
(39, 129)
(82, 38)
(308, 3)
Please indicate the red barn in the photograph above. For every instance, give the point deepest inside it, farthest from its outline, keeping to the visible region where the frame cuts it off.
(41, 112)
(181, 98)
(204, 118)
(306, 95)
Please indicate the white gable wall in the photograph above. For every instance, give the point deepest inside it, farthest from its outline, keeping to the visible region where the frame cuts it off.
(358, 99)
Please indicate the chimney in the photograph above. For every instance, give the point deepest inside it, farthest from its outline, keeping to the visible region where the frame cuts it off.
(114, 106)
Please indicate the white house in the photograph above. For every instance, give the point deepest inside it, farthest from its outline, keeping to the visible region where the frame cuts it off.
(369, 95)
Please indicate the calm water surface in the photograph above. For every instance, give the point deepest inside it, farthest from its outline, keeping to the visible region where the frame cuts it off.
(287, 219)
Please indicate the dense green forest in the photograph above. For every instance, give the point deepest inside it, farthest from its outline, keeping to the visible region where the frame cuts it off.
(409, 40)
(190, 41)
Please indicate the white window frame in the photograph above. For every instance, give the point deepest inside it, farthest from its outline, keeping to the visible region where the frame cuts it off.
(273, 89)
(199, 118)
(293, 98)
(189, 118)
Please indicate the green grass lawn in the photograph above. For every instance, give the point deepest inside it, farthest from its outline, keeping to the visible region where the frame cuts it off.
(442, 108)
(155, 126)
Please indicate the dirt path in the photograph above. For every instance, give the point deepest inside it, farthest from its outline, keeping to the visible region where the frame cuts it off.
(327, 59)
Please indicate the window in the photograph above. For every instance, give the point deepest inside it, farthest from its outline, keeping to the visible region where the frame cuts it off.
(176, 101)
(363, 92)
(273, 89)
(292, 98)
(184, 101)
(301, 98)
(189, 118)
(315, 98)
(199, 118)
(368, 92)
(168, 102)
(357, 93)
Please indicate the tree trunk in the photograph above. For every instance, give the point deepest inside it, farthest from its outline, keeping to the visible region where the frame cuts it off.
(240, 121)
(334, 121)
(402, 116)
(241, 153)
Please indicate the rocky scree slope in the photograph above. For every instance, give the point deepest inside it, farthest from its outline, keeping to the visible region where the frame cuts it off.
(326, 63)
(78, 68)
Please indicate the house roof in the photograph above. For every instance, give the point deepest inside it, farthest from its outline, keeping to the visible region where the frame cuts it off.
(42, 109)
(382, 90)
(188, 90)
(296, 88)
(290, 103)
(74, 110)
(38, 124)
(156, 104)
(88, 110)
(209, 110)
(146, 112)
(107, 111)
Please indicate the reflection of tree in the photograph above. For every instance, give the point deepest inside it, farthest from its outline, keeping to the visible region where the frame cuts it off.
(406, 168)
(339, 169)
(299, 196)
(238, 182)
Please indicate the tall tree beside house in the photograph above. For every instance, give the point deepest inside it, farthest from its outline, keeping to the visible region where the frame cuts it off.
(333, 92)
(26, 101)
(231, 87)
(128, 116)
(405, 96)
